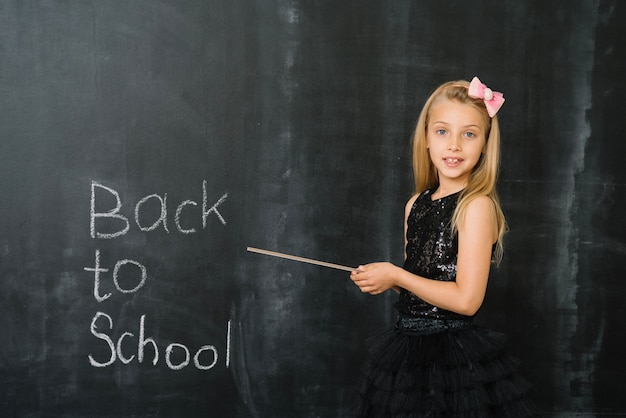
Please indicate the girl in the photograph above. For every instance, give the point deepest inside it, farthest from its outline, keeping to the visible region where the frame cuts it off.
(435, 363)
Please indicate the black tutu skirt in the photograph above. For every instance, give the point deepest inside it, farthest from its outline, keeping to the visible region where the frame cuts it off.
(441, 368)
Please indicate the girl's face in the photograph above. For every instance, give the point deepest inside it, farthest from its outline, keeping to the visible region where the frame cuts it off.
(456, 138)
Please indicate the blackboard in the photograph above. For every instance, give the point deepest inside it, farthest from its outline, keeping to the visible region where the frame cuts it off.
(144, 145)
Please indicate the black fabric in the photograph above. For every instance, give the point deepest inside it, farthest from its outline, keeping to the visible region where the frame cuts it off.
(431, 251)
(436, 363)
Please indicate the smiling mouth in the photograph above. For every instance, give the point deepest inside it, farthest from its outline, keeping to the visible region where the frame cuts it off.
(453, 161)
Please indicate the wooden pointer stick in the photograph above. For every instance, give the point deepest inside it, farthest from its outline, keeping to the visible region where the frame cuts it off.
(300, 259)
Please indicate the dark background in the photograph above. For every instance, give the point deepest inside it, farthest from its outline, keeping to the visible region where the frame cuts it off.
(301, 112)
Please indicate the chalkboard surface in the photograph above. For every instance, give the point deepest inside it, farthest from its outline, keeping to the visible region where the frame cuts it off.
(144, 145)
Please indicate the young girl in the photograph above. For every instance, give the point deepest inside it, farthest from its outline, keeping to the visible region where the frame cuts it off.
(435, 363)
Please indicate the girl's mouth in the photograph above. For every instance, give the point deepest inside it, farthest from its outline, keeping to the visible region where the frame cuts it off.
(452, 162)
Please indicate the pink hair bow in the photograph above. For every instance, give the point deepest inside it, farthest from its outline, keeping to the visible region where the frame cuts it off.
(493, 99)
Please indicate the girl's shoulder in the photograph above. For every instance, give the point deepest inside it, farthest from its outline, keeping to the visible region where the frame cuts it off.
(481, 203)
(480, 214)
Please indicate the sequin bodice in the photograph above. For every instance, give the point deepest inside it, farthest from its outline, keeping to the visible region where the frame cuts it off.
(431, 251)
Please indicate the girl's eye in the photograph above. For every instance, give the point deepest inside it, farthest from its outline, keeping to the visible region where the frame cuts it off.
(470, 134)
(440, 131)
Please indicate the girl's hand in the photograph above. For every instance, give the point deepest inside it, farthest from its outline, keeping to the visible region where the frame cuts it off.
(375, 278)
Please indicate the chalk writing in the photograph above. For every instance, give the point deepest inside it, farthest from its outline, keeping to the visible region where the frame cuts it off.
(176, 355)
(114, 214)
(117, 350)
(97, 270)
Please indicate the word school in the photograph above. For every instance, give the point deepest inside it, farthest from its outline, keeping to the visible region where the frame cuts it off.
(141, 341)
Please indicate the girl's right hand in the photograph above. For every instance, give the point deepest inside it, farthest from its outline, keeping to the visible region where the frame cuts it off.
(375, 278)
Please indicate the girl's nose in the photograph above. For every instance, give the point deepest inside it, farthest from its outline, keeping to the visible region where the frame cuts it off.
(454, 144)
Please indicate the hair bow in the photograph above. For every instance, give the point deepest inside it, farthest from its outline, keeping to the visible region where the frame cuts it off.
(493, 99)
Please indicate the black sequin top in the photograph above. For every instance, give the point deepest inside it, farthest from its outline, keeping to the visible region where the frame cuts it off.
(431, 252)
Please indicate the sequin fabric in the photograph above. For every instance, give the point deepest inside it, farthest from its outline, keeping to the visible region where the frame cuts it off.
(431, 252)
(427, 326)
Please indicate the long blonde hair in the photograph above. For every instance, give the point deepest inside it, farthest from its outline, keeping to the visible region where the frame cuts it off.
(482, 180)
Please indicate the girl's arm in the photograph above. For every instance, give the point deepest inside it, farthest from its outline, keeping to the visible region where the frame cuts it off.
(476, 233)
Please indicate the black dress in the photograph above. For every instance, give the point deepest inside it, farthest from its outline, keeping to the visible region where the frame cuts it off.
(436, 363)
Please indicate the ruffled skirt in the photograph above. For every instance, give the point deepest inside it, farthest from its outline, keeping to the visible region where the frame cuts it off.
(441, 368)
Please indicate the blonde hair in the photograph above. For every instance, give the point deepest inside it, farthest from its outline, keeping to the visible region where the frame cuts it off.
(482, 180)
